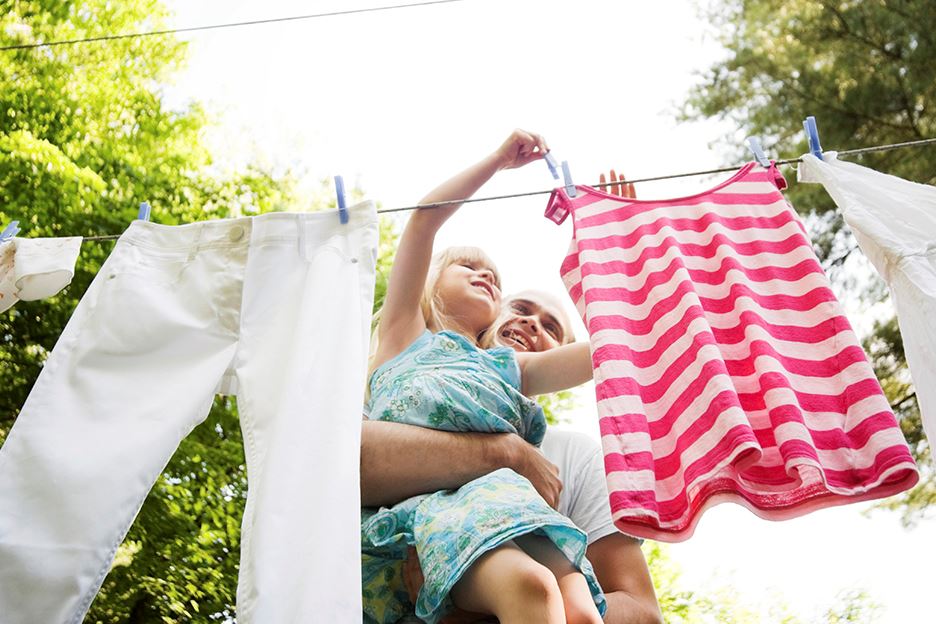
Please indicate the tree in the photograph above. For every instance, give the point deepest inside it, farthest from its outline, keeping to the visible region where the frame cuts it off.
(866, 71)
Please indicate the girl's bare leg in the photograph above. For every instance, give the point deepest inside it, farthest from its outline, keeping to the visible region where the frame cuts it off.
(508, 583)
(576, 597)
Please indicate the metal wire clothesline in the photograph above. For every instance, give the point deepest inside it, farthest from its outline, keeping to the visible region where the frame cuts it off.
(789, 161)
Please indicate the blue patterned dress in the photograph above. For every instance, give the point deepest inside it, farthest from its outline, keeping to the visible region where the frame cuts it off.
(442, 381)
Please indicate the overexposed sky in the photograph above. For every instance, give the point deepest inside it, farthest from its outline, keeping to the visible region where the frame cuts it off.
(397, 101)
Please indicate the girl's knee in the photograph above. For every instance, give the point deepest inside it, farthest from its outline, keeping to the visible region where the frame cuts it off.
(535, 582)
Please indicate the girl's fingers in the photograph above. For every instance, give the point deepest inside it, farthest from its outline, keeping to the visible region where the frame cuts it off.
(601, 182)
(526, 147)
(540, 143)
(616, 188)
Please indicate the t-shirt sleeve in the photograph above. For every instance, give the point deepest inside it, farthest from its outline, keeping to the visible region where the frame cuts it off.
(590, 509)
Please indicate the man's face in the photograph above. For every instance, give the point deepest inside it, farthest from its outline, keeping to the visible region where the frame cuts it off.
(531, 325)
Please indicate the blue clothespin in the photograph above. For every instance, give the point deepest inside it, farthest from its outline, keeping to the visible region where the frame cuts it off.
(570, 189)
(342, 208)
(812, 135)
(144, 213)
(761, 158)
(10, 231)
(552, 164)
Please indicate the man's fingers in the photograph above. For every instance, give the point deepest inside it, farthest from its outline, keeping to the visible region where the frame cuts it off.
(627, 189)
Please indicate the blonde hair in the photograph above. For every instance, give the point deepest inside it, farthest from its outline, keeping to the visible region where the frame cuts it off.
(539, 297)
(430, 304)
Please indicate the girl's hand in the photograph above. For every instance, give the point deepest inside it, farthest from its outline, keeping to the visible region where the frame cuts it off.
(519, 149)
(624, 189)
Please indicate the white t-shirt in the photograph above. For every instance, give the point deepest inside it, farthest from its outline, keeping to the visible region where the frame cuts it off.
(584, 496)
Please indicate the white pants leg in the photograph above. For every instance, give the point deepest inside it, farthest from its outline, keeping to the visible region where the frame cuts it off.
(280, 303)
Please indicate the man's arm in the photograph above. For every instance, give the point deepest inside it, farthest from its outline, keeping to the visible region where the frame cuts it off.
(399, 461)
(623, 574)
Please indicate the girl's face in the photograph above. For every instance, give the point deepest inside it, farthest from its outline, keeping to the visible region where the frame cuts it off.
(531, 324)
(469, 295)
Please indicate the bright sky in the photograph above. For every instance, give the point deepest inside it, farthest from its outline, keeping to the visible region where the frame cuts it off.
(398, 101)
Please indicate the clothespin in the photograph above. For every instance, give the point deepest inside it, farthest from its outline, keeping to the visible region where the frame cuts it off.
(570, 189)
(812, 135)
(339, 191)
(10, 231)
(761, 158)
(144, 213)
(552, 164)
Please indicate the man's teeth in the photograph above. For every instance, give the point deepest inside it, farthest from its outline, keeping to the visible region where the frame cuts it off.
(517, 338)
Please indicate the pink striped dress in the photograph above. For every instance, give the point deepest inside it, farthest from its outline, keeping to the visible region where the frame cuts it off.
(725, 369)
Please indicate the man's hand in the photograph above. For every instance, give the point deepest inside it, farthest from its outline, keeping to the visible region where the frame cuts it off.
(526, 460)
(624, 189)
(399, 461)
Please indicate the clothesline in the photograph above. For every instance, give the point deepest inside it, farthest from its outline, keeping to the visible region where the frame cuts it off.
(789, 161)
(170, 31)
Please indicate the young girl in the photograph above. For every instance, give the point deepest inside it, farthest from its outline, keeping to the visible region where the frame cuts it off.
(492, 546)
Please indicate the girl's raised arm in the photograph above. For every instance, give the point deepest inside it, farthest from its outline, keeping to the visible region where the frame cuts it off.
(401, 319)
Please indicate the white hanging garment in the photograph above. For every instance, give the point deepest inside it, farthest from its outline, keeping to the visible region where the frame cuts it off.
(894, 222)
(281, 303)
(35, 268)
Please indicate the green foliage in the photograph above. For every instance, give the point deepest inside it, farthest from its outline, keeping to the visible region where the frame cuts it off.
(556, 405)
(866, 71)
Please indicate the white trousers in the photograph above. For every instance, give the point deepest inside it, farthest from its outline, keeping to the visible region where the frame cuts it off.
(279, 304)
(894, 222)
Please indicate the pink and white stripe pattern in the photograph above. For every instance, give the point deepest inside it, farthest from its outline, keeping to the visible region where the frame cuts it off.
(724, 366)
